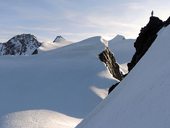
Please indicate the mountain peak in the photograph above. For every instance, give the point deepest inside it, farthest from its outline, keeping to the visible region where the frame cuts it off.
(59, 39)
(119, 37)
(24, 44)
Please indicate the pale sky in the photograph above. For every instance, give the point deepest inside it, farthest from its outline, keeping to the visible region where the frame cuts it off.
(77, 19)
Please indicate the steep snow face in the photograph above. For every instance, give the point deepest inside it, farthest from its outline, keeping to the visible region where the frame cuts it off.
(142, 99)
(38, 119)
(70, 80)
(24, 44)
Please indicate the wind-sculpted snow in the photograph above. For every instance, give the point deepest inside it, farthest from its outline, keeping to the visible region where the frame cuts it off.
(38, 119)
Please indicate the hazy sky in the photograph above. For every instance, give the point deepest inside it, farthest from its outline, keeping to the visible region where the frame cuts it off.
(77, 19)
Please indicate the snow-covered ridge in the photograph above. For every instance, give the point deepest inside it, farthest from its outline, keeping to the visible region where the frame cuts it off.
(57, 43)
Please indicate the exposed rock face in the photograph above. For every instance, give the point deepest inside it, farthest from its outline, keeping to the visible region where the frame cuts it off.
(107, 57)
(145, 39)
(59, 39)
(167, 22)
(24, 44)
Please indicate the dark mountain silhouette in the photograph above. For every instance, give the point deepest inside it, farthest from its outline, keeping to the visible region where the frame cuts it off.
(146, 37)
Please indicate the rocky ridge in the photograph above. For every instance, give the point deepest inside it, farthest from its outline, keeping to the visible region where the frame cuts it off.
(146, 37)
(24, 44)
(107, 57)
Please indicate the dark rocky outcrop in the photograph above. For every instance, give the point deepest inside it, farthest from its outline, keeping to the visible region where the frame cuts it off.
(107, 57)
(59, 39)
(145, 39)
(167, 22)
(35, 52)
(25, 44)
(112, 87)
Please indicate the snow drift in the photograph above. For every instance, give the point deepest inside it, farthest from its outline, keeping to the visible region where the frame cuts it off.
(38, 119)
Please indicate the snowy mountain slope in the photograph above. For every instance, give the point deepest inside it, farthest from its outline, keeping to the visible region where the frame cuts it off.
(123, 51)
(48, 46)
(142, 99)
(68, 80)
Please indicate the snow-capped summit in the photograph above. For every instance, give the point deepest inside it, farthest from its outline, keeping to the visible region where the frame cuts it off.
(59, 39)
(118, 37)
(57, 43)
(24, 44)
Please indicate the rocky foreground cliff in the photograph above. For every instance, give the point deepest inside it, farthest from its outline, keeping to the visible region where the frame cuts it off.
(146, 37)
